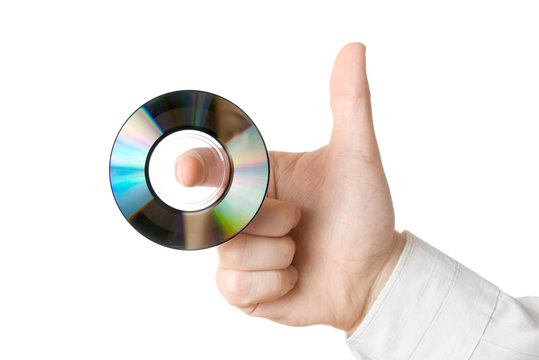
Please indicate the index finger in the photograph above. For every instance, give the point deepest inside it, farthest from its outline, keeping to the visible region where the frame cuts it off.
(200, 167)
(274, 219)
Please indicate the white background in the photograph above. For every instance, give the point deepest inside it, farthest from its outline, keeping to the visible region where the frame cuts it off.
(455, 93)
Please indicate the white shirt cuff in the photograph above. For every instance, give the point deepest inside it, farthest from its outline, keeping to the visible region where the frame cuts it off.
(432, 307)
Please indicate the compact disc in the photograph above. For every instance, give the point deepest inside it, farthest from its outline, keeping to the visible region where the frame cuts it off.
(143, 173)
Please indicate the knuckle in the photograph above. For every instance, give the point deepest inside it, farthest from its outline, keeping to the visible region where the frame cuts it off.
(293, 216)
(282, 280)
(237, 288)
(284, 250)
(289, 249)
(288, 218)
(233, 253)
(234, 285)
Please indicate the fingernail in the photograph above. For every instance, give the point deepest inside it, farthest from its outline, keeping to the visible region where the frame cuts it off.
(293, 275)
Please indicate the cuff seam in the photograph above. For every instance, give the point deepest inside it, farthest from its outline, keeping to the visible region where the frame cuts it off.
(378, 303)
(443, 303)
(491, 316)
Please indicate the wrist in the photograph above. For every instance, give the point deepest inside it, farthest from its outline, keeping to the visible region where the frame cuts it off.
(381, 279)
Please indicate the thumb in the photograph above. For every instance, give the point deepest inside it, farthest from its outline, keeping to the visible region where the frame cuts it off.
(353, 130)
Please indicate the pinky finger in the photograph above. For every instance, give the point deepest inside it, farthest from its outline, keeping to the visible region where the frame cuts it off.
(246, 289)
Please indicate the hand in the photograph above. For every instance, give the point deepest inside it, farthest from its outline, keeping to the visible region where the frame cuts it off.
(329, 266)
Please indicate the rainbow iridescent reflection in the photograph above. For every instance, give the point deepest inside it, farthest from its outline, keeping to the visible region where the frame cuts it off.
(213, 115)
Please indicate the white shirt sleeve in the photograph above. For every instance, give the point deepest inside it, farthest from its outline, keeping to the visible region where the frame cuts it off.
(432, 307)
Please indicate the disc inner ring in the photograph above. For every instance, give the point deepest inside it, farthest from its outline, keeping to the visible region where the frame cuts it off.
(154, 203)
(163, 179)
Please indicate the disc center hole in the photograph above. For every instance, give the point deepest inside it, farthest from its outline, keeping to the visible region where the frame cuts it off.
(189, 170)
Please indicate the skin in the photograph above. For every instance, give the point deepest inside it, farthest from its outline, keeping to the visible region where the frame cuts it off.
(196, 173)
(324, 243)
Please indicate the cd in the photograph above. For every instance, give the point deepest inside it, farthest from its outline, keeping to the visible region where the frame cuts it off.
(143, 170)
